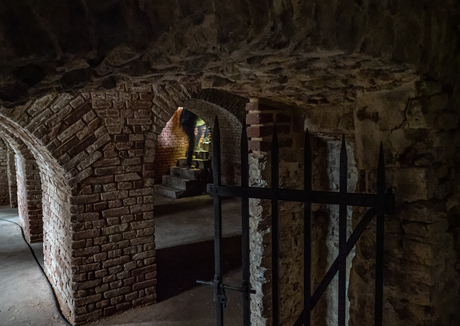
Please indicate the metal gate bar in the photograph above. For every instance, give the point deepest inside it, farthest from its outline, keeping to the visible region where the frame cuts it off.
(379, 204)
(342, 235)
(275, 230)
(307, 299)
(219, 297)
(380, 235)
(245, 229)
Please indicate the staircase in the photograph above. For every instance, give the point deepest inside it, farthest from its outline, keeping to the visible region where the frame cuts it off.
(186, 182)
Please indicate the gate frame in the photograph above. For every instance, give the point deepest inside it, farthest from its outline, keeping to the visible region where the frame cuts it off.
(381, 203)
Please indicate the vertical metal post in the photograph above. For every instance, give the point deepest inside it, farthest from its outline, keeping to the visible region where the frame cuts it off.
(343, 236)
(216, 167)
(275, 229)
(380, 233)
(307, 232)
(245, 229)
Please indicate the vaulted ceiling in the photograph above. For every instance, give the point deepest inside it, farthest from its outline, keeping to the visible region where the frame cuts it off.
(296, 52)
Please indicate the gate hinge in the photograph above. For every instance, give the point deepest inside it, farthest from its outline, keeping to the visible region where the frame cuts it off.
(221, 296)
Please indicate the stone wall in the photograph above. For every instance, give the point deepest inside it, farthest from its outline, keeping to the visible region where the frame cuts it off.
(414, 121)
(4, 189)
(263, 49)
(172, 144)
(12, 179)
(417, 123)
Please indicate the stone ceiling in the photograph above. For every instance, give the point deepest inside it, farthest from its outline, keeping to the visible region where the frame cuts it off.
(292, 52)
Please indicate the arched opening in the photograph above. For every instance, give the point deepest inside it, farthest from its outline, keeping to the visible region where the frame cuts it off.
(44, 207)
(176, 175)
(184, 228)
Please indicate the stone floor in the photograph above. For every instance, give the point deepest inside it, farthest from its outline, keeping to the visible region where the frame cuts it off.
(184, 233)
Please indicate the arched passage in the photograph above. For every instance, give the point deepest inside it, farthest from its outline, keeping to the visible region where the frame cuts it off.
(27, 185)
(230, 110)
(41, 184)
(185, 227)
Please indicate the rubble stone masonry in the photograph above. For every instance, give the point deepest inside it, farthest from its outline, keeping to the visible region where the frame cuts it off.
(417, 124)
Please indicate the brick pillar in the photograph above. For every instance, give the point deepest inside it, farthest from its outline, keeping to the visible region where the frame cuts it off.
(113, 260)
(260, 121)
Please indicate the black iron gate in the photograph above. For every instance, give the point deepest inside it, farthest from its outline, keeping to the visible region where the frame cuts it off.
(380, 203)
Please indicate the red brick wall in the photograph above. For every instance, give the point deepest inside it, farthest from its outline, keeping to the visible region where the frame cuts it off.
(172, 144)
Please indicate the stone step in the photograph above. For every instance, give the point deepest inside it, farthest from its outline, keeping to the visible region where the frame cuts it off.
(168, 191)
(191, 174)
(180, 183)
(197, 163)
(205, 146)
(179, 193)
(203, 155)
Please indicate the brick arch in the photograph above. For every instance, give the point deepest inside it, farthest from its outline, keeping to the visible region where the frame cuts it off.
(28, 184)
(228, 107)
(232, 103)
